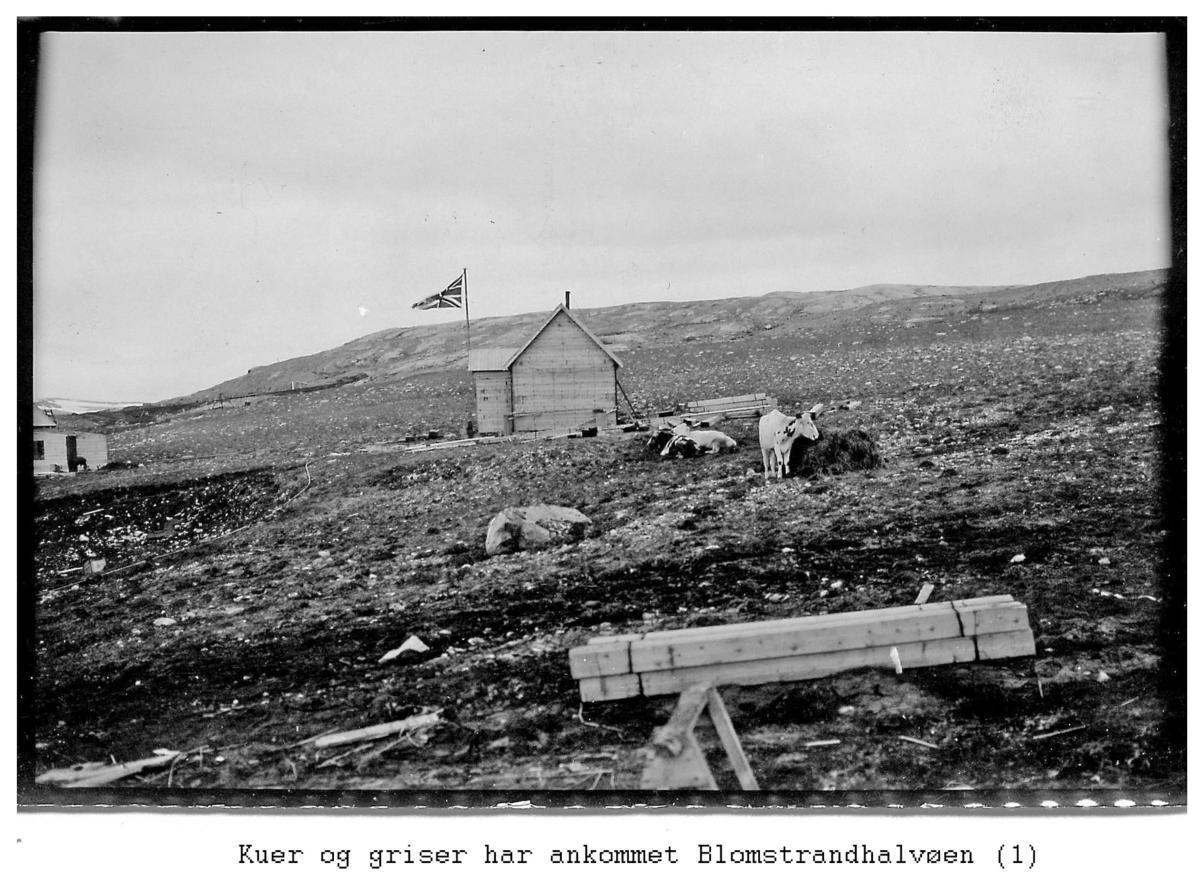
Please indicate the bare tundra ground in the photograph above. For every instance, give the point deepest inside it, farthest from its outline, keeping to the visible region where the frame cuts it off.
(295, 559)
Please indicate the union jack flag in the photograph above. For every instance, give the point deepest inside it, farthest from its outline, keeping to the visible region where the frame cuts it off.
(450, 297)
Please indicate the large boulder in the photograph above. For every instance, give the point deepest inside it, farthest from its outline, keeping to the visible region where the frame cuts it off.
(518, 528)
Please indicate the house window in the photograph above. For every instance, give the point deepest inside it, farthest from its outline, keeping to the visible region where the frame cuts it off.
(39, 450)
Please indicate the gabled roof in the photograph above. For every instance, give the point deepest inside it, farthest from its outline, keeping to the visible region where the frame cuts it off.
(502, 358)
(582, 327)
(42, 418)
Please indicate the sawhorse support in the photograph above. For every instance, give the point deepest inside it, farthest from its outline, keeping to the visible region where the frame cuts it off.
(676, 761)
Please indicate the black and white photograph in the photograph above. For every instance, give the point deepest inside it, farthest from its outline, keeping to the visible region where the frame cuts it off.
(438, 411)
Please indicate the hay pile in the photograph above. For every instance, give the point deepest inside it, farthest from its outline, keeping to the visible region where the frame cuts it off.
(836, 452)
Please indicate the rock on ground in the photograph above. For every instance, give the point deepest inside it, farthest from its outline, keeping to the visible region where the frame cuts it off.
(517, 528)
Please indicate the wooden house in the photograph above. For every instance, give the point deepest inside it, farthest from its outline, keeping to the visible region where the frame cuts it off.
(58, 451)
(563, 377)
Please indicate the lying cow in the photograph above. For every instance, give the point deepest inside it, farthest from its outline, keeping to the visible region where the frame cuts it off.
(681, 447)
(777, 433)
(711, 440)
(660, 438)
(683, 441)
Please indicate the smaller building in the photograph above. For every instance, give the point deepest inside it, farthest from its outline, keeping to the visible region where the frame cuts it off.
(563, 376)
(62, 451)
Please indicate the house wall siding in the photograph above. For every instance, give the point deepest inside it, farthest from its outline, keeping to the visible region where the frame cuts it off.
(493, 401)
(54, 448)
(562, 379)
(92, 447)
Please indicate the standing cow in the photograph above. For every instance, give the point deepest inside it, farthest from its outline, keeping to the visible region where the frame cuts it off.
(777, 433)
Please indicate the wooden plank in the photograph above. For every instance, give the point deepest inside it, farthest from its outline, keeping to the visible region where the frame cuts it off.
(729, 739)
(730, 401)
(926, 590)
(705, 404)
(1006, 645)
(713, 416)
(721, 407)
(829, 618)
(799, 622)
(1014, 617)
(800, 636)
(749, 412)
(802, 623)
(915, 655)
(619, 645)
(379, 731)
(613, 686)
(774, 640)
(855, 632)
(594, 660)
(100, 773)
(817, 665)
(632, 635)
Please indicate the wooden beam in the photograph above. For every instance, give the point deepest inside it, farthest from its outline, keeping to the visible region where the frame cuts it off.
(613, 686)
(660, 662)
(1006, 645)
(675, 760)
(708, 404)
(602, 656)
(854, 632)
(729, 739)
(606, 654)
(797, 668)
(827, 618)
(946, 607)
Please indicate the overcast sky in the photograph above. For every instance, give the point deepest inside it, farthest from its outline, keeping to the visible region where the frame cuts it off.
(209, 202)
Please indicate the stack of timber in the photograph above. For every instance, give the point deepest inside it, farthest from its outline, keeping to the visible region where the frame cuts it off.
(561, 433)
(662, 662)
(749, 406)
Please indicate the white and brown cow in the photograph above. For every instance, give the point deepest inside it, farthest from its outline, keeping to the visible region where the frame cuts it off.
(777, 433)
(684, 441)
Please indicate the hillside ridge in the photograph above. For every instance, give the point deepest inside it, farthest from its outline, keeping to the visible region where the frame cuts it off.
(394, 354)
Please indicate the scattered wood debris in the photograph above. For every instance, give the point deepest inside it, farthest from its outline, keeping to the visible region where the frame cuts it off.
(101, 773)
(1059, 732)
(337, 759)
(379, 731)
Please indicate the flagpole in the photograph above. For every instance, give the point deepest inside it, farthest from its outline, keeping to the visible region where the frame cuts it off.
(467, 307)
